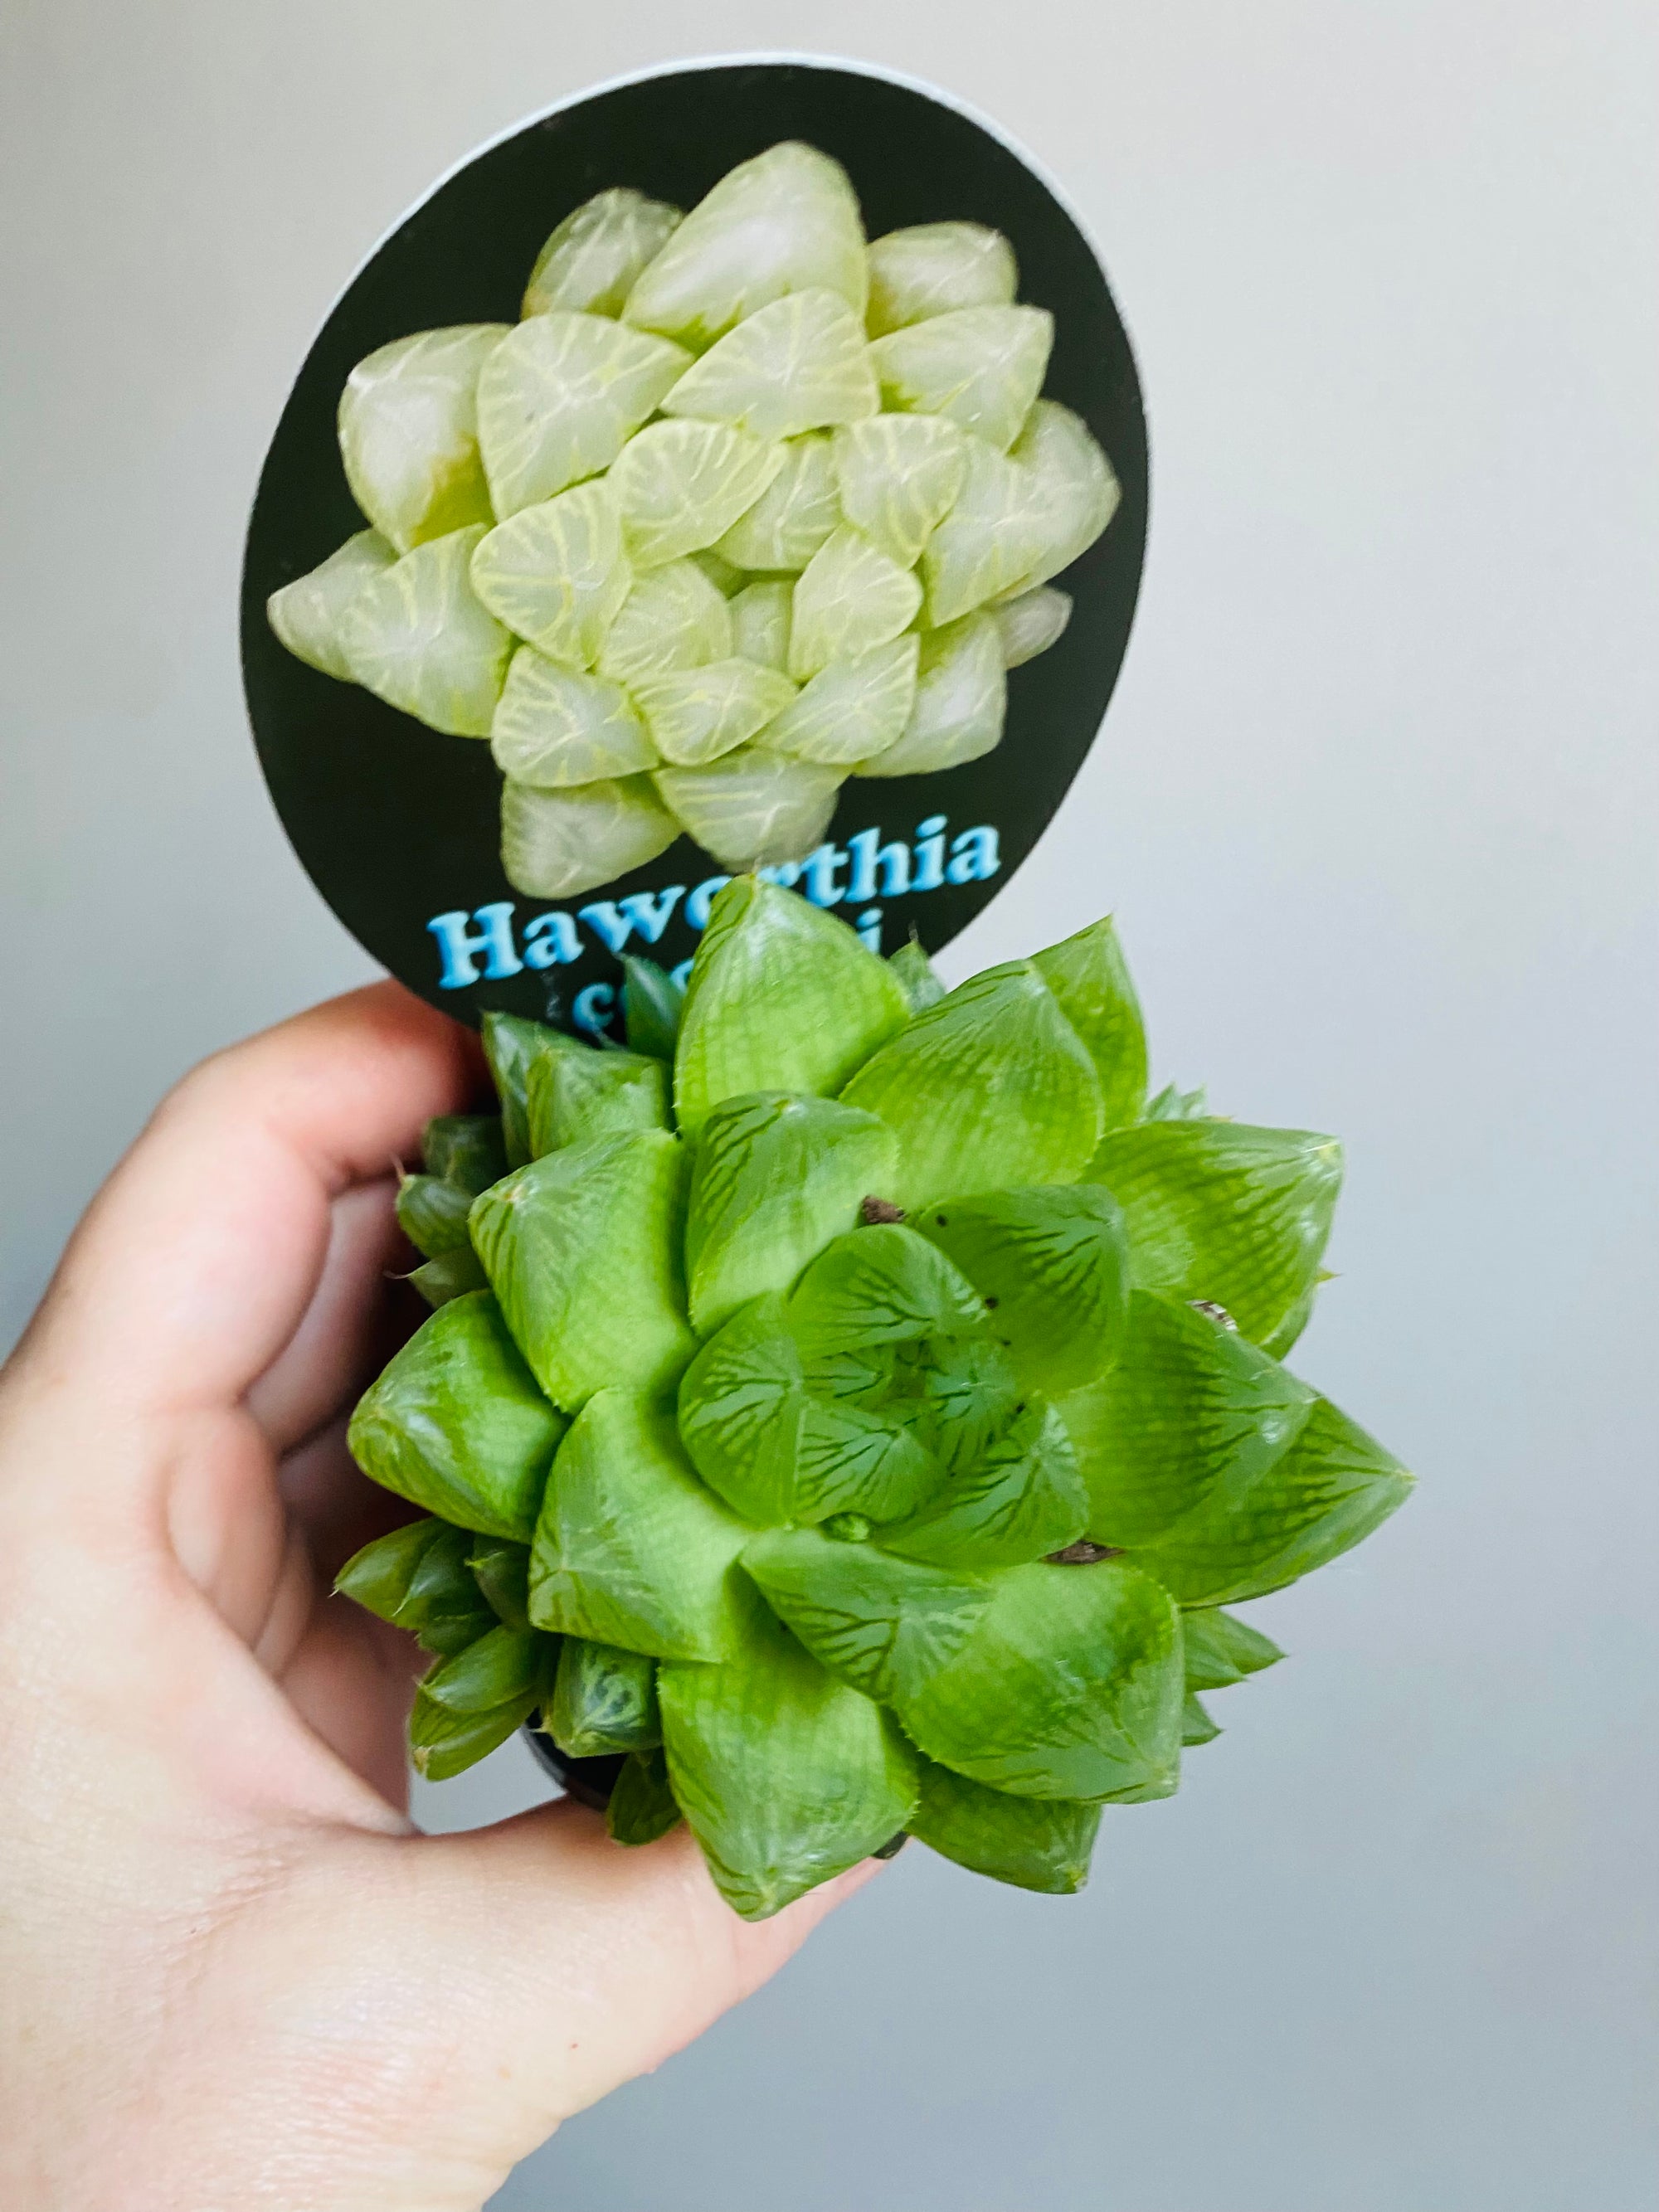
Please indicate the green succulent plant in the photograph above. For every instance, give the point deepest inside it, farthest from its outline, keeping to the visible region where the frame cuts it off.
(741, 507)
(850, 1407)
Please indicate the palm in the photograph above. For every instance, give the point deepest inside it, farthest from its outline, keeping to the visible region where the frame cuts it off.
(204, 1748)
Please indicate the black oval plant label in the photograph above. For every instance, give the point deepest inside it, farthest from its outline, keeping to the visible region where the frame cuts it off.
(399, 826)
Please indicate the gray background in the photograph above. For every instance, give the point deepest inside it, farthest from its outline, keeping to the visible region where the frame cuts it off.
(1377, 813)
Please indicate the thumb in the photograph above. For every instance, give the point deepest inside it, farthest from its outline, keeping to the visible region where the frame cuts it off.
(559, 1966)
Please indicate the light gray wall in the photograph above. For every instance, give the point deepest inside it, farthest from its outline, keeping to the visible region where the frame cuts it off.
(1376, 814)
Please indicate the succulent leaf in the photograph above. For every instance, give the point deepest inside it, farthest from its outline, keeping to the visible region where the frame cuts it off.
(851, 713)
(409, 433)
(643, 1806)
(774, 1177)
(785, 221)
(672, 618)
(681, 485)
(1196, 1725)
(475, 1698)
(1052, 1266)
(851, 597)
(956, 1394)
(456, 1425)
(923, 984)
(785, 1775)
(799, 364)
(306, 614)
(1222, 1650)
(651, 1007)
(605, 1699)
(556, 574)
(880, 1623)
(451, 1275)
(991, 540)
(696, 714)
(583, 1249)
(631, 1549)
(897, 477)
(498, 1668)
(555, 726)
(760, 623)
(418, 1578)
(465, 1149)
(1072, 483)
(958, 1135)
(577, 1096)
(555, 843)
(1019, 1500)
(879, 1287)
(1221, 1211)
(432, 1213)
(378, 1574)
(1187, 1410)
(559, 397)
(594, 258)
(782, 997)
(501, 1568)
(981, 367)
(932, 268)
(792, 517)
(443, 1611)
(753, 808)
(444, 1743)
(418, 635)
(741, 1404)
(1034, 1843)
(511, 1047)
(961, 702)
(1282, 1340)
(1030, 622)
(1069, 1685)
(1089, 975)
(851, 1459)
(1175, 1105)
(1330, 1490)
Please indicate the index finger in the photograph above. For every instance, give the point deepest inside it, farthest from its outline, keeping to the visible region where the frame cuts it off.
(194, 1264)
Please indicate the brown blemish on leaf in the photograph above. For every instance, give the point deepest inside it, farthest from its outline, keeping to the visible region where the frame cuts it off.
(873, 1211)
(1218, 1314)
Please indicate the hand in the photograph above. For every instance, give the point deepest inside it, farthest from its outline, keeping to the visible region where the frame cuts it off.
(231, 1973)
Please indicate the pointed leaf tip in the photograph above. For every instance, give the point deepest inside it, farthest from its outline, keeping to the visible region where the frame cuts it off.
(787, 1775)
(1033, 1843)
(1037, 1123)
(782, 997)
(1088, 976)
(1224, 1212)
(583, 1247)
(631, 1550)
(456, 1423)
(776, 1177)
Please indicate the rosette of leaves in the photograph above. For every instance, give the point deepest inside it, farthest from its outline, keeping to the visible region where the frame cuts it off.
(851, 1408)
(741, 507)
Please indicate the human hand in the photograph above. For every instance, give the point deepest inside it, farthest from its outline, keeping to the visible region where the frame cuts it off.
(231, 1973)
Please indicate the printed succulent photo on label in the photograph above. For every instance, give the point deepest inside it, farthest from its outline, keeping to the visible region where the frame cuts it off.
(767, 491)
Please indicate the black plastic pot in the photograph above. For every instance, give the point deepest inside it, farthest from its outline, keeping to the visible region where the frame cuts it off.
(589, 1781)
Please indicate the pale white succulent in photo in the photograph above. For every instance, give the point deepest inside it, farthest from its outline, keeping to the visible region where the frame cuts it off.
(745, 504)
